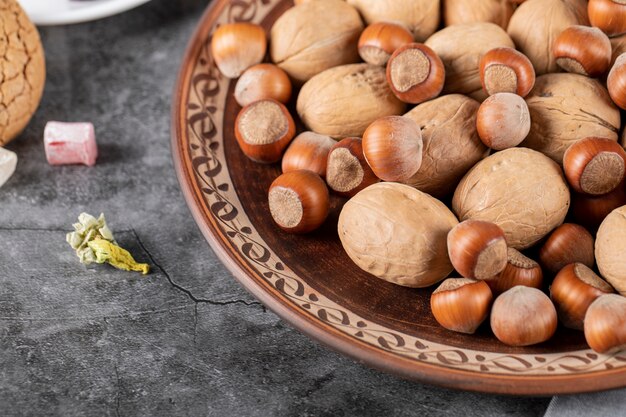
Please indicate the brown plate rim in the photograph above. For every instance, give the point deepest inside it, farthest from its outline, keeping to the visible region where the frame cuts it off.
(360, 351)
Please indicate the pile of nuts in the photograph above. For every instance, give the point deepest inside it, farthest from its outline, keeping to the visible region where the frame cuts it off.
(514, 125)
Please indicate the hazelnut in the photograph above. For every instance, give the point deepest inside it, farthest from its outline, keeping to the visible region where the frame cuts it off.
(461, 304)
(583, 50)
(519, 270)
(263, 130)
(573, 290)
(299, 201)
(477, 249)
(397, 234)
(23, 70)
(565, 108)
(451, 143)
(595, 166)
(327, 106)
(520, 190)
(260, 82)
(462, 11)
(605, 324)
(315, 36)
(610, 249)
(415, 73)
(505, 70)
(421, 17)
(616, 82)
(503, 121)
(393, 147)
(618, 45)
(379, 40)
(347, 171)
(523, 316)
(535, 25)
(237, 46)
(591, 211)
(608, 15)
(308, 151)
(460, 47)
(569, 243)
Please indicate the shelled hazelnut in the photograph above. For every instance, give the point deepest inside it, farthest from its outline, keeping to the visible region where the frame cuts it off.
(415, 73)
(347, 171)
(503, 121)
(573, 290)
(595, 166)
(568, 243)
(238, 46)
(308, 151)
(523, 316)
(591, 211)
(608, 15)
(393, 147)
(263, 130)
(519, 270)
(616, 82)
(461, 304)
(380, 40)
(477, 249)
(583, 50)
(299, 201)
(260, 82)
(505, 70)
(605, 324)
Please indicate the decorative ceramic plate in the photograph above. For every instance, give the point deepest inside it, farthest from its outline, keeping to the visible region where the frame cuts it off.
(63, 12)
(311, 283)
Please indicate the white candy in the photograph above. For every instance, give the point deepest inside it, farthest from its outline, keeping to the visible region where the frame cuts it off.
(8, 162)
(70, 143)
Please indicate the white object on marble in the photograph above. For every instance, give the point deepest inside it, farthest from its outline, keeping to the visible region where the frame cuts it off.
(8, 162)
(70, 143)
(63, 12)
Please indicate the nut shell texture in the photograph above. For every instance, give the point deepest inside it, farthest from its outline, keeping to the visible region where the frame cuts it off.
(461, 47)
(314, 36)
(451, 144)
(463, 11)
(565, 108)
(537, 23)
(327, 104)
(520, 190)
(611, 247)
(420, 16)
(23, 71)
(398, 234)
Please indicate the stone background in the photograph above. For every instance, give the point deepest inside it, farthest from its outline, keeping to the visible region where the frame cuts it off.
(186, 340)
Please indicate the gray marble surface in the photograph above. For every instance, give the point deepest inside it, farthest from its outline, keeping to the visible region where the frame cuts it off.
(186, 340)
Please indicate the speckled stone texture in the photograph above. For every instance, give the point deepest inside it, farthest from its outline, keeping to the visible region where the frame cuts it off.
(185, 340)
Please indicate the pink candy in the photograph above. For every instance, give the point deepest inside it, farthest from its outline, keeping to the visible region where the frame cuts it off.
(70, 143)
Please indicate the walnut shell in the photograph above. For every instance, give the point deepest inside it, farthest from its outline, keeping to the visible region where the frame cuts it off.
(314, 36)
(451, 145)
(537, 23)
(327, 105)
(461, 47)
(565, 108)
(610, 249)
(22, 70)
(463, 11)
(398, 234)
(420, 16)
(521, 190)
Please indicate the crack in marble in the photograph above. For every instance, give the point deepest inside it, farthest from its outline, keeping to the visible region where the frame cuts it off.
(185, 290)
